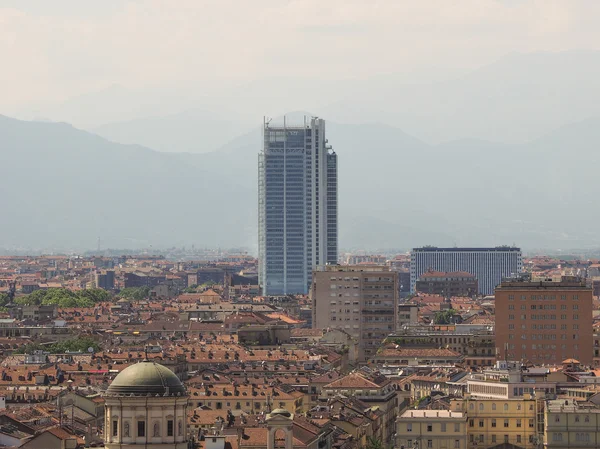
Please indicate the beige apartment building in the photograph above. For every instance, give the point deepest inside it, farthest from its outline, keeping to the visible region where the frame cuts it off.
(492, 422)
(360, 299)
(567, 425)
(431, 429)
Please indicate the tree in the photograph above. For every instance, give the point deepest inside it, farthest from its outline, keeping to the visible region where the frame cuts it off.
(374, 443)
(449, 316)
(60, 347)
(63, 297)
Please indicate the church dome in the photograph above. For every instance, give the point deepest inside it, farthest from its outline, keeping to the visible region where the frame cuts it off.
(281, 412)
(146, 378)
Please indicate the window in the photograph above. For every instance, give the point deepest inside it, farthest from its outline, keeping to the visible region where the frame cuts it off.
(429, 427)
(141, 429)
(557, 437)
(429, 443)
(493, 438)
(518, 423)
(506, 439)
(518, 438)
(471, 422)
(481, 423)
(443, 427)
(493, 422)
(471, 406)
(531, 423)
(409, 443)
(480, 406)
(409, 427)
(456, 444)
(115, 428)
(505, 407)
(170, 428)
(493, 406)
(506, 423)
(456, 427)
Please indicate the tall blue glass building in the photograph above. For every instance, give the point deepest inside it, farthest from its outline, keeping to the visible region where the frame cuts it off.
(297, 206)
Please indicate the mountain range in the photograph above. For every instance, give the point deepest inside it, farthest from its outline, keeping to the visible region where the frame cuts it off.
(64, 187)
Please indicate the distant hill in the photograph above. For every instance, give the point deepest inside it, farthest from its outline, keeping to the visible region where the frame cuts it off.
(64, 187)
(192, 131)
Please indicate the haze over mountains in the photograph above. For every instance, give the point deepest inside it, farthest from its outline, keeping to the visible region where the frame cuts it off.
(517, 163)
(518, 98)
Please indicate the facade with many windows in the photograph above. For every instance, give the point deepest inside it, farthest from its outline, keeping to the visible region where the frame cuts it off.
(297, 207)
(569, 426)
(544, 322)
(488, 265)
(493, 422)
(360, 299)
(431, 429)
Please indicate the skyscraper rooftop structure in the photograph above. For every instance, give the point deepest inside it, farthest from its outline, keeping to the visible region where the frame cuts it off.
(297, 206)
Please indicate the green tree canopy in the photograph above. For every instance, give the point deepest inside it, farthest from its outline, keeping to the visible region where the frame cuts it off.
(135, 293)
(60, 347)
(63, 297)
(449, 316)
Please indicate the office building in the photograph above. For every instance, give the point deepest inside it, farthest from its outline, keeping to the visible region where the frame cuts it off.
(297, 190)
(488, 265)
(544, 322)
(105, 280)
(447, 284)
(360, 299)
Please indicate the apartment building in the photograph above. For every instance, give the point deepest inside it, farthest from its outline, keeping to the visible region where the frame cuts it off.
(493, 422)
(544, 321)
(372, 388)
(567, 425)
(360, 299)
(431, 429)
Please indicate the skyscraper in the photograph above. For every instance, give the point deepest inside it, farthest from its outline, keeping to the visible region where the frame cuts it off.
(297, 205)
(488, 265)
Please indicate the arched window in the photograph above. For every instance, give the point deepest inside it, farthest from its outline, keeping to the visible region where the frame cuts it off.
(493, 406)
(180, 428)
(587, 419)
(126, 429)
(156, 431)
(480, 406)
(471, 406)
(505, 407)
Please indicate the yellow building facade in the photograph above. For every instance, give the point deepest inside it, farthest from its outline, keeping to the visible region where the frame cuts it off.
(493, 422)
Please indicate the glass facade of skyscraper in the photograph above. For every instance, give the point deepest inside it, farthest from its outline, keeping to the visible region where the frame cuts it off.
(297, 206)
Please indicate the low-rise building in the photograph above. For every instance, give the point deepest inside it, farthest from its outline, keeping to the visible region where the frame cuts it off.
(431, 429)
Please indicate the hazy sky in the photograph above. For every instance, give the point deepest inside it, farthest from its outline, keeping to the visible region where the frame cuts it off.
(52, 50)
